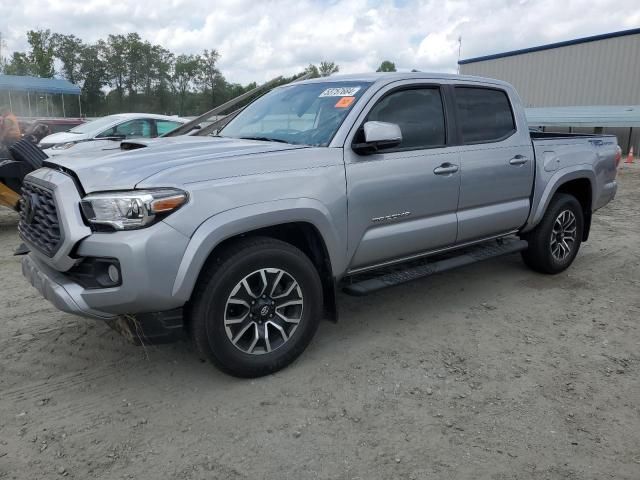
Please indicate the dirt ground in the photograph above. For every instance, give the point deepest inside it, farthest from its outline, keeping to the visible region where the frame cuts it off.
(490, 371)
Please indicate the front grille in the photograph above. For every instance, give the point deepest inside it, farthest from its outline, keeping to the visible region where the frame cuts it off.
(39, 224)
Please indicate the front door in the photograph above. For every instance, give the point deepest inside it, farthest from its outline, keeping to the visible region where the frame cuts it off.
(403, 201)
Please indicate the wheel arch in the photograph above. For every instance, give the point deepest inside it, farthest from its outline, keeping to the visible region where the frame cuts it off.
(306, 228)
(582, 190)
(578, 182)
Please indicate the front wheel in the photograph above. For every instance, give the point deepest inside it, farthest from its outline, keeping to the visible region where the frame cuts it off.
(554, 243)
(256, 308)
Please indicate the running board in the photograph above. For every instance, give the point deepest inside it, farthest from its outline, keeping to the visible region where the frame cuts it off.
(365, 283)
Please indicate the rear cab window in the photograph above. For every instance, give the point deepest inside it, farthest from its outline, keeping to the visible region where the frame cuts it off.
(484, 114)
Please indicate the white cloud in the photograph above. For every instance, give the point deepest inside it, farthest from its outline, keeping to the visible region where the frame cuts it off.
(259, 40)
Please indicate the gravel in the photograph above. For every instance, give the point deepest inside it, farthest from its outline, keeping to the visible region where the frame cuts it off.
(490, 371)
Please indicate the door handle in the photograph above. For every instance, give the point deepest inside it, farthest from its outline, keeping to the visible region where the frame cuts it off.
(445, 169)
(518, 160)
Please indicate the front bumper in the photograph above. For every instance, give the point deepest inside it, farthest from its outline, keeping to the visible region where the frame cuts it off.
(149, 260)
(53, 286)
(146, 328)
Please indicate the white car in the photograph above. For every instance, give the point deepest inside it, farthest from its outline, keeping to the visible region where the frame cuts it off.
(105, 134)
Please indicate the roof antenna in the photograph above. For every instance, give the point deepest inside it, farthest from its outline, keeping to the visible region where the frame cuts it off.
(459, 51)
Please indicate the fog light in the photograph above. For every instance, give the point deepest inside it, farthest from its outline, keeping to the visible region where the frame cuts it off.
(114, 274)
(94, 272)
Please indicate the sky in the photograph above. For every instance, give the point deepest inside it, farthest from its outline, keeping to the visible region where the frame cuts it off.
(259, 40)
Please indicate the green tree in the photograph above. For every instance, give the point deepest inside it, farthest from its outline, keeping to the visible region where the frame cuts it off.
(312, 70)
(324, 70)
(41, 55)
(160, 84)
(68, 49)
(18, 64)
(139, 74)
(209, 73)
(387, 66)
(186, 71)
(134, 50)
(328, 68)
(93, 76)
(116, 65)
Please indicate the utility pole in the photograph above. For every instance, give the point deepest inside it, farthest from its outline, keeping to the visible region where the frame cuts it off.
(1, 57)
(459, 51)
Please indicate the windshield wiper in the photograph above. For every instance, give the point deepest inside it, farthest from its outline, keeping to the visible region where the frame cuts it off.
(265, 139)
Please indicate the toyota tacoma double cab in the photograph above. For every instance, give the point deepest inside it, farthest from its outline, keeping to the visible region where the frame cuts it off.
(242, 238)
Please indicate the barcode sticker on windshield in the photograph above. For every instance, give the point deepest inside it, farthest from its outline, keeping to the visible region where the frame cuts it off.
(340, 92)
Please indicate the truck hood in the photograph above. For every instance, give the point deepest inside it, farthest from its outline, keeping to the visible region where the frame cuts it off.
(125, 170)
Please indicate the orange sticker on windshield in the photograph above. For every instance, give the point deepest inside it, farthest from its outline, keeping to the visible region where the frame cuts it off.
(344, 102)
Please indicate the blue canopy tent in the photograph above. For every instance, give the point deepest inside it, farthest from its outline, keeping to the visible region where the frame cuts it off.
(37, 85)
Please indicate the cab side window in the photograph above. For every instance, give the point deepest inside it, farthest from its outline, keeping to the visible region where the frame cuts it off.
(484, 114)
(419, 114)
(139, 128)
(165, 126)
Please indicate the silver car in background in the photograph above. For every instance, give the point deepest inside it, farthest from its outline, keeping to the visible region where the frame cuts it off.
(103, 135)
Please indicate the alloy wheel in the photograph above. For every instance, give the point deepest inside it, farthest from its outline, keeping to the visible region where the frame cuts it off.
(263, 311)
(563, 235)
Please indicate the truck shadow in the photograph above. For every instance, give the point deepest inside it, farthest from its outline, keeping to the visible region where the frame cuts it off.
(420, 309)
(423, 307)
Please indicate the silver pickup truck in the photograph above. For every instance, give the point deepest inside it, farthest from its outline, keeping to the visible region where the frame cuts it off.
(241, 239)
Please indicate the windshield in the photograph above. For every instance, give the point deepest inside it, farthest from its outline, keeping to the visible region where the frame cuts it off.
(94, 125)
(301, 114)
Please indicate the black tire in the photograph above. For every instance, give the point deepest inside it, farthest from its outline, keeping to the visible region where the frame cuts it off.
(538, 256)
(29, 153)
(209, 306)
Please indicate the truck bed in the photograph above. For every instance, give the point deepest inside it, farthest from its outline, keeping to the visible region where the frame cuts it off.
(561, 157)
(538, 135)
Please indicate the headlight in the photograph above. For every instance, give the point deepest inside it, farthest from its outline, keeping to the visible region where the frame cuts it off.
(131, 209)
(63, 146)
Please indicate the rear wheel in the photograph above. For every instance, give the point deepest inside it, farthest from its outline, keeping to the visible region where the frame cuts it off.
(554, 243)
(256, 308)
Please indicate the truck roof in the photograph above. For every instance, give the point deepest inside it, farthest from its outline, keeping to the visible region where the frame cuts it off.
(388, 77)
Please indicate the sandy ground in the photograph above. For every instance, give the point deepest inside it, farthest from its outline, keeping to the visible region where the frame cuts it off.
(490, 371)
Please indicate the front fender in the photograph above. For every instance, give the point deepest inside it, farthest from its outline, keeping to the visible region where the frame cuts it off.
(247, 218)
(542, 196)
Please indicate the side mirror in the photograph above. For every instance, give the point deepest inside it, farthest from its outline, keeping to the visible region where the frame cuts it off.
(378, 136)
(117, 137)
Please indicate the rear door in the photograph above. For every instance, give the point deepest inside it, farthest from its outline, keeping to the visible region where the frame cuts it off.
(497, 163)
(403, 201)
